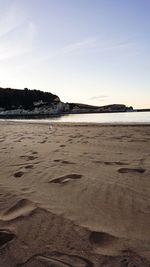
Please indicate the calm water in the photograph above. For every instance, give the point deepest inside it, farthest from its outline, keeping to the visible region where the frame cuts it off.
(120, 118)
(127, 117)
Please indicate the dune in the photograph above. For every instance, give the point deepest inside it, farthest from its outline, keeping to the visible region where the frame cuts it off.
(74, 195)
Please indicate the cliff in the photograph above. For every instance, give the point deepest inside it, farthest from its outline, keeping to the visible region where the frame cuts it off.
(15, 102)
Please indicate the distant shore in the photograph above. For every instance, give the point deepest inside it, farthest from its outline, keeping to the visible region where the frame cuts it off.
(143, 110)
(43, 116)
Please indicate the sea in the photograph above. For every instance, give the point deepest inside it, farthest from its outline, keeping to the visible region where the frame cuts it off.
(104, 118)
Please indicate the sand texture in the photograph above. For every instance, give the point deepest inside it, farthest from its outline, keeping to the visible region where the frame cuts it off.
(74, 195)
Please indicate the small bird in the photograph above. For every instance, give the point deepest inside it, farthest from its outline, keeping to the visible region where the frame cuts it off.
(50, 127)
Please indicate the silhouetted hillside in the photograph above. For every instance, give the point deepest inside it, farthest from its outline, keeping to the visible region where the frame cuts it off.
(26, 99)
(74, 107)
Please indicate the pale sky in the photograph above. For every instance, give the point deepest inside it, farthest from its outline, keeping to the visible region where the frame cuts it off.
(88, 51)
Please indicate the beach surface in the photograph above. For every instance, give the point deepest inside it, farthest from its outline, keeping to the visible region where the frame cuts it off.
(74, 195)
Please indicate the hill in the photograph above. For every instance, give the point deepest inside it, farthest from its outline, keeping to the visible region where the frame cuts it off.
(17, 102)
(83, 108)
(26, 99)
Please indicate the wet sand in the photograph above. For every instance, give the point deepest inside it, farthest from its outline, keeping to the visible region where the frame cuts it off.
(74, 195)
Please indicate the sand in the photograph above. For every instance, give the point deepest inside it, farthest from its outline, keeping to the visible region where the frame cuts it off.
(74, 195)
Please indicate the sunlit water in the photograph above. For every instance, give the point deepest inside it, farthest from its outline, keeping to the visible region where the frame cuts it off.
(115, 118)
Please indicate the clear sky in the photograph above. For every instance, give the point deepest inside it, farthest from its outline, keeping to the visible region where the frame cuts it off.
(89, 51)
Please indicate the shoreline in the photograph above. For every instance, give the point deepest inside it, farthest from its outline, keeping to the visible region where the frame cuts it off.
(103, 119)
(83, 124)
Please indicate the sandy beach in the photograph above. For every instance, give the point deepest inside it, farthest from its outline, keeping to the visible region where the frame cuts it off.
(74, 195)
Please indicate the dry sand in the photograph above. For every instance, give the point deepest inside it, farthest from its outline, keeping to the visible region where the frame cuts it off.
(74, 195)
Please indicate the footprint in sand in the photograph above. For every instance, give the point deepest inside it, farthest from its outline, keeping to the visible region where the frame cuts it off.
(20, 208)
(70, 140)
(65, 178)
(34, 152)
(114, 163)
(42, 142)
(28, 166)
(27, 190)
(5, 237)
(18, 174)
(109, 163)
(28, 157)
(63, 161)
(67, 162)
(131, 170)
(57, 160)
(102, 239)
(57, 259)
(31, 158)
(106, 244)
